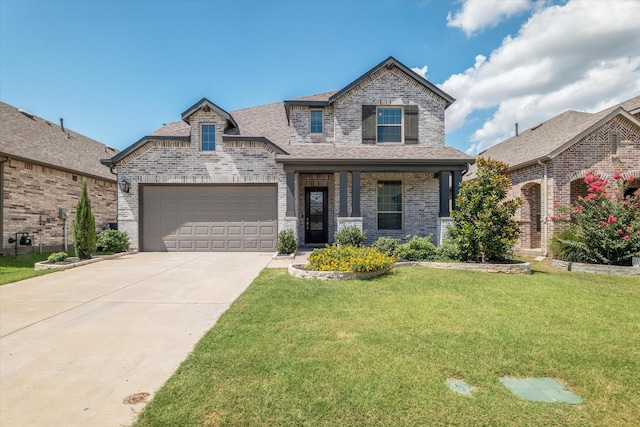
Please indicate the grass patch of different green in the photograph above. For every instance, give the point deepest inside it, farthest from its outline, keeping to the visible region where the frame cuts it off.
(13, 269)
(293, 352)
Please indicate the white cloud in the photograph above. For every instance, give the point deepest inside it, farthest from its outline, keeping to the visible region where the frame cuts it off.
(581, 56)
(422, 71)
(478, 14)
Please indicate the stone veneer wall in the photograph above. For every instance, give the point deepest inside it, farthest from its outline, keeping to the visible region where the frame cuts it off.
(180, 162)
(32, 190)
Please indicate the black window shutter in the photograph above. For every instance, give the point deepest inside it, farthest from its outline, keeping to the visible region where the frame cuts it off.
(410, 124)
(368, 124)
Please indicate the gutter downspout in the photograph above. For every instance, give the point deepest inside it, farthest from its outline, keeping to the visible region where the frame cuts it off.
(111, 166)
(544, 207)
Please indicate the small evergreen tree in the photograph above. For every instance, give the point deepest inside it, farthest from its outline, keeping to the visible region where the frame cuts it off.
(483, 224)
(84, 226)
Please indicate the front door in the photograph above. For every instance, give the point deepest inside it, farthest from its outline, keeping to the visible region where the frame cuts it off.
(316, 214)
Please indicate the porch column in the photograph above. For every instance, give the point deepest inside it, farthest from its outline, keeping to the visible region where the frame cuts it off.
(291, 209)
(355, 194)
(444, 193)
(455, 188)
(343, 194)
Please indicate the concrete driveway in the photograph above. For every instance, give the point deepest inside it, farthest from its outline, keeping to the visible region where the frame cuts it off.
(75, 344)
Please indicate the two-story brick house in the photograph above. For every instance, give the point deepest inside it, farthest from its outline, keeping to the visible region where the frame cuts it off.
(548, 163)
(371, 155)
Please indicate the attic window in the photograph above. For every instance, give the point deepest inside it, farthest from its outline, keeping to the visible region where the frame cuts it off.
(614, 140)
(208, 137)
(316, 121)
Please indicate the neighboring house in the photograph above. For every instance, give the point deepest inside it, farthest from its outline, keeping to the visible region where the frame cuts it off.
(371, 155)
(42, 166)
(548, 163)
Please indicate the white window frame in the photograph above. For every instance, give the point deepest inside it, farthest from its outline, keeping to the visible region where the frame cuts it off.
(321, 111)
(215, 140)
(401, 211)
(401, 125)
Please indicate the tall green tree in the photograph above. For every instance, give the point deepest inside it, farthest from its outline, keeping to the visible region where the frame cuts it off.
(84, 226)
(483, 224)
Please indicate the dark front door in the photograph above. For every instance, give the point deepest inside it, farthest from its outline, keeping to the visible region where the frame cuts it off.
(316, 214)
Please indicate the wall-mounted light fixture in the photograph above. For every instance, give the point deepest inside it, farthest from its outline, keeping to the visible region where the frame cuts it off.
(124, 185)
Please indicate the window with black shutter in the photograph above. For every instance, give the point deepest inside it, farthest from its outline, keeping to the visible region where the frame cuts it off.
(389, 124)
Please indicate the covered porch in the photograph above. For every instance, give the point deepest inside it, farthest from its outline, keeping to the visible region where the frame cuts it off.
(383, 198)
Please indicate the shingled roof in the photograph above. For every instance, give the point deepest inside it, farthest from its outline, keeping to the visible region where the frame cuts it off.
(556, 134)
(30, 138)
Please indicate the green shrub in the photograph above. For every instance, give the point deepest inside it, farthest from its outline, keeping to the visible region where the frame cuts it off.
(113, 241)
(57, 257)
(387, 245)
(417, 249)
(349, 258)
(483, 224)
(287, 243)
(350, 236)
(448, 250)
(84, 226)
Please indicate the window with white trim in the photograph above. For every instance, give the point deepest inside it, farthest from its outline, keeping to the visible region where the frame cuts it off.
(315, 119)
(389, 124)
(208, 137)
(389, 205)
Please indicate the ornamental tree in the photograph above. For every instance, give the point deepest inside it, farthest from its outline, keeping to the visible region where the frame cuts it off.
(603, 227)
(84, 226)
(483, 225)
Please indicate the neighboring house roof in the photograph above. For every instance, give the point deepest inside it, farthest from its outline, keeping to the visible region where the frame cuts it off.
(555, 135)
(30, 138)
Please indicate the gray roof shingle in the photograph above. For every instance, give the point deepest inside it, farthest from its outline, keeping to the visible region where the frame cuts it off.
(41, 141)
(543, 140)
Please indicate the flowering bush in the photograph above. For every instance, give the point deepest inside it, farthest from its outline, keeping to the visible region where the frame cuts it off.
(603, 226)
(349, 258)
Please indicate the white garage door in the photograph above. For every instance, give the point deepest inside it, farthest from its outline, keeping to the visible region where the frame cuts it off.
(209, 218)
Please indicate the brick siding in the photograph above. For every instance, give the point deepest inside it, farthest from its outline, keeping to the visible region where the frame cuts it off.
(32, 190)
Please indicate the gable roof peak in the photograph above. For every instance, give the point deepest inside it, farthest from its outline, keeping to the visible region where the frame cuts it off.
(206, 105)
(390, 63)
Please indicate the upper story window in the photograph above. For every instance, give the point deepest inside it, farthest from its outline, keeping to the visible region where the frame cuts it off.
(389, 124)
(208, 137)
(316, 121)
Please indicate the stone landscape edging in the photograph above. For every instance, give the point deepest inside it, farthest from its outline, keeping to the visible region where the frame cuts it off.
(616, 270)
(298, 270)
(46, 265)
(512, 268)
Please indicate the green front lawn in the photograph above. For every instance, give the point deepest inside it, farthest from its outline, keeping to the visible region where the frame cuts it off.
(293, 352)
(13, 269)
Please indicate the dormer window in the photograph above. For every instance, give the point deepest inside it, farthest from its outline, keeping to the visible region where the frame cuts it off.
(315, 120)
(208, 137)
(389, 124)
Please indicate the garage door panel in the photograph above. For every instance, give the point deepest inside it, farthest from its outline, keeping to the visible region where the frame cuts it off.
(209, 218)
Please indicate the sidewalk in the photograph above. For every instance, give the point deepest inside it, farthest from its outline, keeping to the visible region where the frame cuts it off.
(300, 257)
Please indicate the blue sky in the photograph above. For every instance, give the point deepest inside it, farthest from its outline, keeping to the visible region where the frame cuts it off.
(117, 70)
